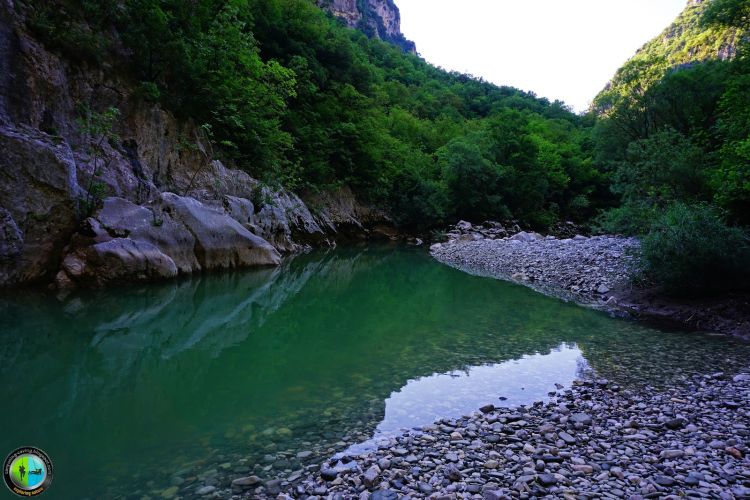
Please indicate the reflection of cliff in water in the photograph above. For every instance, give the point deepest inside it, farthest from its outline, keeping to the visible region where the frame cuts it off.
(223, 362)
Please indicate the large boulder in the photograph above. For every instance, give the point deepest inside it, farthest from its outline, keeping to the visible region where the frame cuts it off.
(220, 241)
(122, 218)
(126, 242)
(118, 260)
(525, 237)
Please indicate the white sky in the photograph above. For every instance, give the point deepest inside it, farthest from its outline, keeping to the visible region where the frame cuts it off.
(559, 49)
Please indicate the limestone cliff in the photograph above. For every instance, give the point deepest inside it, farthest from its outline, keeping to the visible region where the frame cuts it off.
(376, 18)
(149, 202)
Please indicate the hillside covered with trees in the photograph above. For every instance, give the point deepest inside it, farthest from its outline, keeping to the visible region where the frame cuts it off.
(295, 98)
(286, 92)
(672, 136)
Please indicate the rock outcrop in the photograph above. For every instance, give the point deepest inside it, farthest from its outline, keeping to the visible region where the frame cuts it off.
(129, 242)
(376, 18)
(144, 207)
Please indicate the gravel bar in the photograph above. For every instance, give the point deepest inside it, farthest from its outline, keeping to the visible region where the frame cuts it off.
(585, 270)
(592, 440)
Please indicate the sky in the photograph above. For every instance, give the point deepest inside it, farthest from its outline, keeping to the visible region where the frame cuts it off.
(559, 49)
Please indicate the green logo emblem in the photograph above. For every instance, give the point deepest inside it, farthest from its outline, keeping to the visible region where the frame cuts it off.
(27, 471)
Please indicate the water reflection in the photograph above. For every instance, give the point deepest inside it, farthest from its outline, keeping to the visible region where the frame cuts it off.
(452, 395)
(328, 350)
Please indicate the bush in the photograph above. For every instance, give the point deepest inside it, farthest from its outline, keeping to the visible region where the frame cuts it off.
(631, 219)
(690, 250)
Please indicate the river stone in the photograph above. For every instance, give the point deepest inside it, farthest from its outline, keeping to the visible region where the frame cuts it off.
(425, 488)
(675, 424)
(567, 437)
(494, 495)
(487, 408)
(526, 237)
(581, 418)
(662, 480)
(205, 490)
(586, 469)
(273, 486)
(384, 495)
(170, 492)
(329, 474)
(670, 454)
(452, 473)
(371, 476)
(547, 480)
(246, 482)
(122, 218)
(123, 259)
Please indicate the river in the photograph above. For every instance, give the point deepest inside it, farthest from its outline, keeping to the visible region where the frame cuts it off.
(159, 390)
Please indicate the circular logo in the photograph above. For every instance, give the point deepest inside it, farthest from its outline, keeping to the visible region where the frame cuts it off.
(27, 471)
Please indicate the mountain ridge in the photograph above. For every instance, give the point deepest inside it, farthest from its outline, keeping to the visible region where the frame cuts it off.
(686, 41)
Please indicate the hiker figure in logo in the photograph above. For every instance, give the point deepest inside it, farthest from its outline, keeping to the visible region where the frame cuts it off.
(22, 471)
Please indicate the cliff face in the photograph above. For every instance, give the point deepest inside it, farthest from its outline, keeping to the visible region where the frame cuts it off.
(80, 210)
(376, 18)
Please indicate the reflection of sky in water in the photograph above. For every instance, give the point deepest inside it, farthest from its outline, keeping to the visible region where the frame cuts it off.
(451, 395)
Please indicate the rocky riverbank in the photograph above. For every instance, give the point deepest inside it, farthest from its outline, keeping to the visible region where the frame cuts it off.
(144, 199)
(593, 440)
(583, 269)
(594, 271)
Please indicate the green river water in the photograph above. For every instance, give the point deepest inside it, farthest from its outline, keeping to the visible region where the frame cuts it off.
(202, 380)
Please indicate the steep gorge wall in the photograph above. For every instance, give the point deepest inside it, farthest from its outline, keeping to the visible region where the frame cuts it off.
(377, 18)
(183, 204)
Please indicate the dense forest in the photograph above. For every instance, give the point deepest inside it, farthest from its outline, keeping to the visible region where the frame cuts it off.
(672, 136)
(296, 99)
(289, 94)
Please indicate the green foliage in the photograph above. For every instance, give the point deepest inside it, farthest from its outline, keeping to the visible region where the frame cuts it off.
(687, 41)
(731, 178)
(733, 13)
(72, 26)
(98, 129)
(678, 130)
(298, 100)
(663, 168)
(690, 250)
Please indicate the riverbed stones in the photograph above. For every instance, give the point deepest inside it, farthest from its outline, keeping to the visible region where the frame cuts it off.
(582, 269)
(567, 438)
(626, 450)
